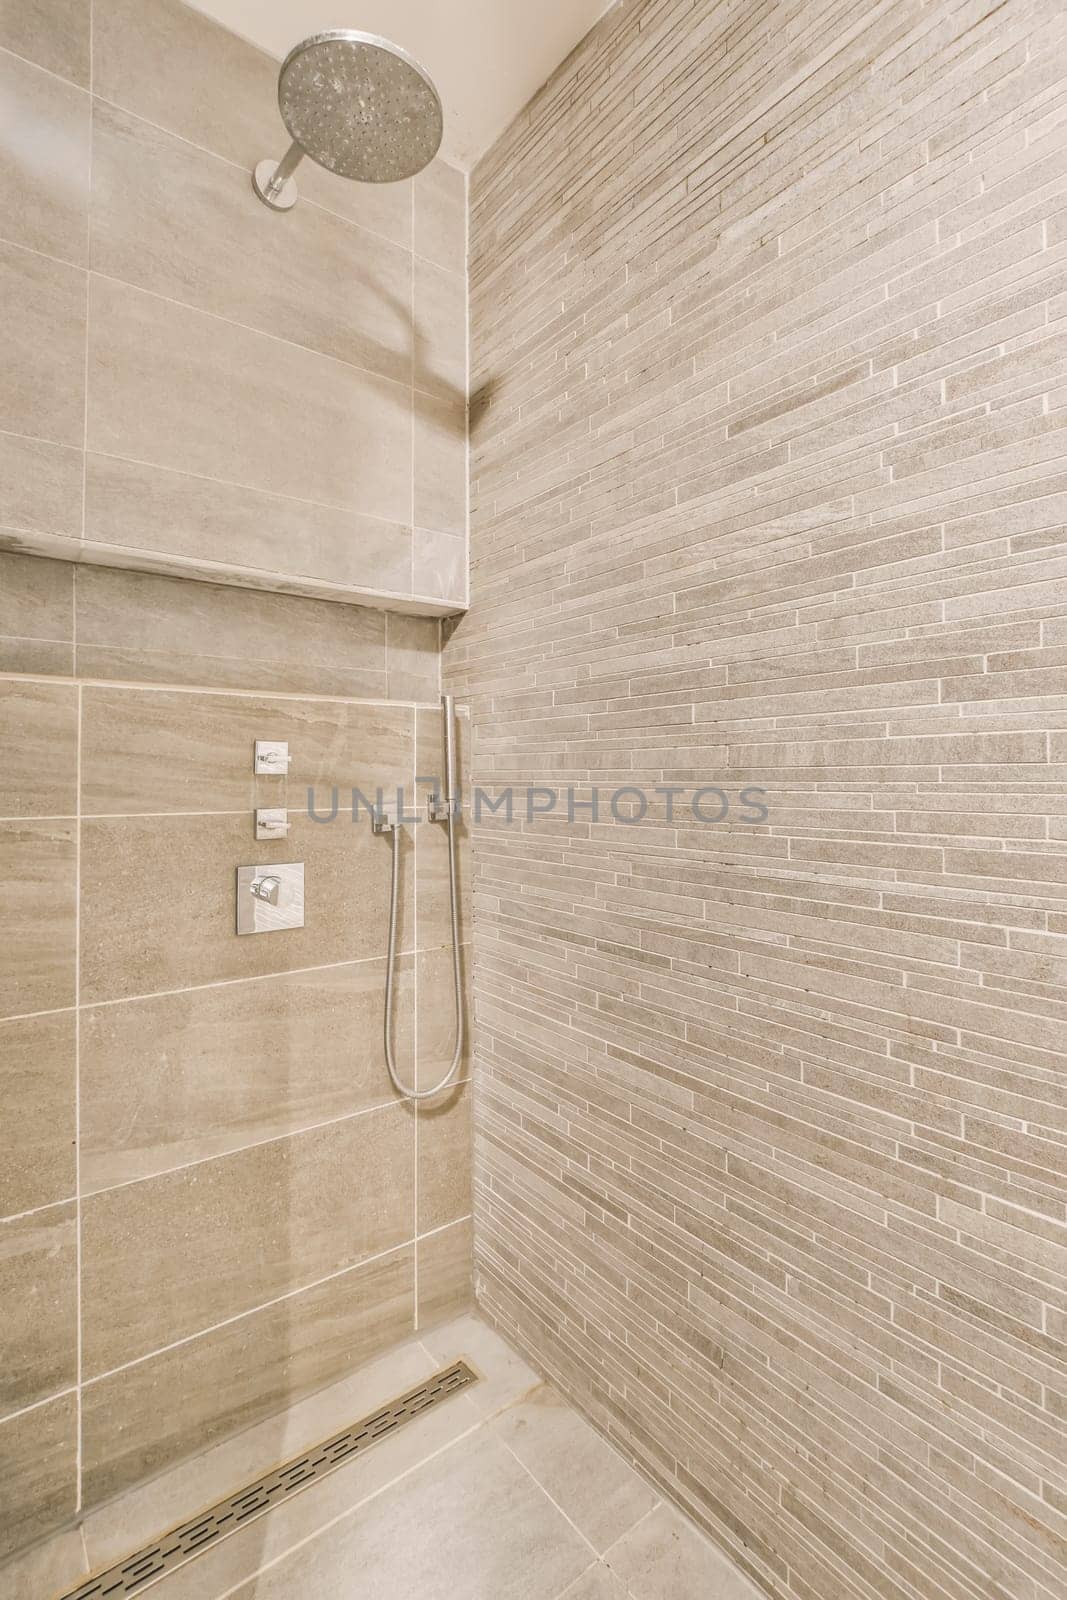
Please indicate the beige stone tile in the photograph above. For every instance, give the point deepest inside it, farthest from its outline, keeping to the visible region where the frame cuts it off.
(441, 565)
(505, 1377)
(44, 183)
(223, 401)
(440, 477)
(37, 916)
(437, 1013)
(38, 1287)
(52, 1567)
(146, 54)
(40, 488)
(157, 751)
(444, 1186)
(40, 732)
(183, 1077)
(445, 1275)
(148, 1510)
(138, 625)
(133, 508)
(168, 217)
(37, 1079)
(52, 33)
(599, 1583)
(38, 1464)
(469, 1522)
(36, 598)
(440, 332)
(602, 1495)
(441, 215)
(179, 1404)
(434, 889)
(414, 658)
(133, 866)
(168, 1257)
(665, 1556)
(36, 656)
(42, 384)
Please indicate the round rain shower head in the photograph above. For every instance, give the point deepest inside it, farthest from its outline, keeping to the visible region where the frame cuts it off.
(359, 106)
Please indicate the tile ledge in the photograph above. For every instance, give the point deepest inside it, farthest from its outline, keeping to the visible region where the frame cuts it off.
(66, 547)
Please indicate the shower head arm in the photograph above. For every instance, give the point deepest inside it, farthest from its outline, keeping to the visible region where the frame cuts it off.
(273, 181)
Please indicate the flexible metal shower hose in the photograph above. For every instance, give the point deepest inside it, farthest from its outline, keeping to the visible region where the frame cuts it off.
(390, 968)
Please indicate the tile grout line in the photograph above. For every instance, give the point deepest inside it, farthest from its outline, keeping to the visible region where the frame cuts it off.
(551, 1500)
(142, 686)
(77, 1119)
(79, 1460)
(416, 1105)
(385, 523)
(196, 988)
(396, 1103)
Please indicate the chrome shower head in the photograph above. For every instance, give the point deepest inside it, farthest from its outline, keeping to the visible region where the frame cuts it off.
(359, 106)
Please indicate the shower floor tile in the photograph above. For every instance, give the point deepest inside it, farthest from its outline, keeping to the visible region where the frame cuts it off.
(501, 1493)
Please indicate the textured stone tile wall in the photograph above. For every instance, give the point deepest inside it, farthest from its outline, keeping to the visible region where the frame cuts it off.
(769, 373)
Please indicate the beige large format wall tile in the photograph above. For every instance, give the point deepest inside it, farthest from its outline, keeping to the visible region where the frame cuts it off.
(37, 1085)
(440, 475)
(167, 1257)
(441, 216)
(38, 1290)
(39, 777)
(445, 1273)
(36, 599)
(158, 900)
(170, 218)
(39, 1467)
(414, 658)
(226, 402)
(52, 33)
(444, 1159)
(440, 332)
(767, 305)
(38, 868)
(40, 492)
(180, 1402)
(44, 180)
(182, 1077)
(142, 513)
(166, 751)
(165, 630)
(42, 318)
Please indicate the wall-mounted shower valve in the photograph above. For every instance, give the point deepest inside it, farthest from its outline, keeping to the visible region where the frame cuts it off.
(272, 824)
(272, 758)
(440, 810)
(270, 897)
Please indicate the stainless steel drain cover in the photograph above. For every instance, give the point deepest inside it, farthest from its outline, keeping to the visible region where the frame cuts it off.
(134, 1574)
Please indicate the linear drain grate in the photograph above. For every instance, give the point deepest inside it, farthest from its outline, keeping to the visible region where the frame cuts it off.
(188, 1540)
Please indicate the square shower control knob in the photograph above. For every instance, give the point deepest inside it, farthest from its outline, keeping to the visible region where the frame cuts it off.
(272, 758)
(272, 824)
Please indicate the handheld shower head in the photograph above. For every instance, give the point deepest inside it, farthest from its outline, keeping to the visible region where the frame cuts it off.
(357, 105)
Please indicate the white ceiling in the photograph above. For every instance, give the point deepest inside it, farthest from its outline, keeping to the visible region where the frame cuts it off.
(487, 57)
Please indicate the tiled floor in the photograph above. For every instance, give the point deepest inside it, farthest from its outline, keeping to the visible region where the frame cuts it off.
(499, 1493)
